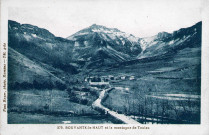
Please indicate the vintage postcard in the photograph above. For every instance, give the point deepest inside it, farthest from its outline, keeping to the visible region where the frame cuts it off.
(104, 67)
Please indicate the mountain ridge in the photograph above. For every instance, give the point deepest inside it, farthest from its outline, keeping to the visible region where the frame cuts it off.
(95, 44)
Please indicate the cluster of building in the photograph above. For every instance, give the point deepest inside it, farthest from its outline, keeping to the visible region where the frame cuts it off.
(104, 80)
(127, 77)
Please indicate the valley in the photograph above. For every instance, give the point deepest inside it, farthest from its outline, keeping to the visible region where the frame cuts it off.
(101, 75)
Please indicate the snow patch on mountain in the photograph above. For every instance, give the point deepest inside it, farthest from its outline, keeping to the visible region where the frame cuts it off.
(34, 35)
(147, 42)
(27, 37)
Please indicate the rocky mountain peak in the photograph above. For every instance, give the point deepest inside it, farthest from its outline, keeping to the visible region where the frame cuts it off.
(163, 34)
(15, 27)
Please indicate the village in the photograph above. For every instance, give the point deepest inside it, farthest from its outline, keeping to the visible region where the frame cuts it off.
(93, 85)
(95, 81)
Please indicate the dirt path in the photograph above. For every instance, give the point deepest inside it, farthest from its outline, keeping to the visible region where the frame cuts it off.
(122, 117)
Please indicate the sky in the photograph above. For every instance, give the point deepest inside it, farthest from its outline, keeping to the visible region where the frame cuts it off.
(141, 18)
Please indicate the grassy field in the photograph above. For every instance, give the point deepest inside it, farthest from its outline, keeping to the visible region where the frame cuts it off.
(35, 118)
(167, 90)
(37, 102)
(144, 101)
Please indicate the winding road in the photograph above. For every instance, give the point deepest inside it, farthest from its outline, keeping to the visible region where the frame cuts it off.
(122, 117)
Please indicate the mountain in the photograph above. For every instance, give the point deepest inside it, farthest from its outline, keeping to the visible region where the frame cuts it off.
(101, 36)
(171, 42)
(96, 46)
(38, 59)
(99, 44)
(39, 44)
(26, 74)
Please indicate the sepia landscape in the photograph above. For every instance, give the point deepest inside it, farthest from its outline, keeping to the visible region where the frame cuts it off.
(102, 75)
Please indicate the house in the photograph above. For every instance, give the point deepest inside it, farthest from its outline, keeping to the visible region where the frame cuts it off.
(97, 81)
(111, 77)
(131, 77)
